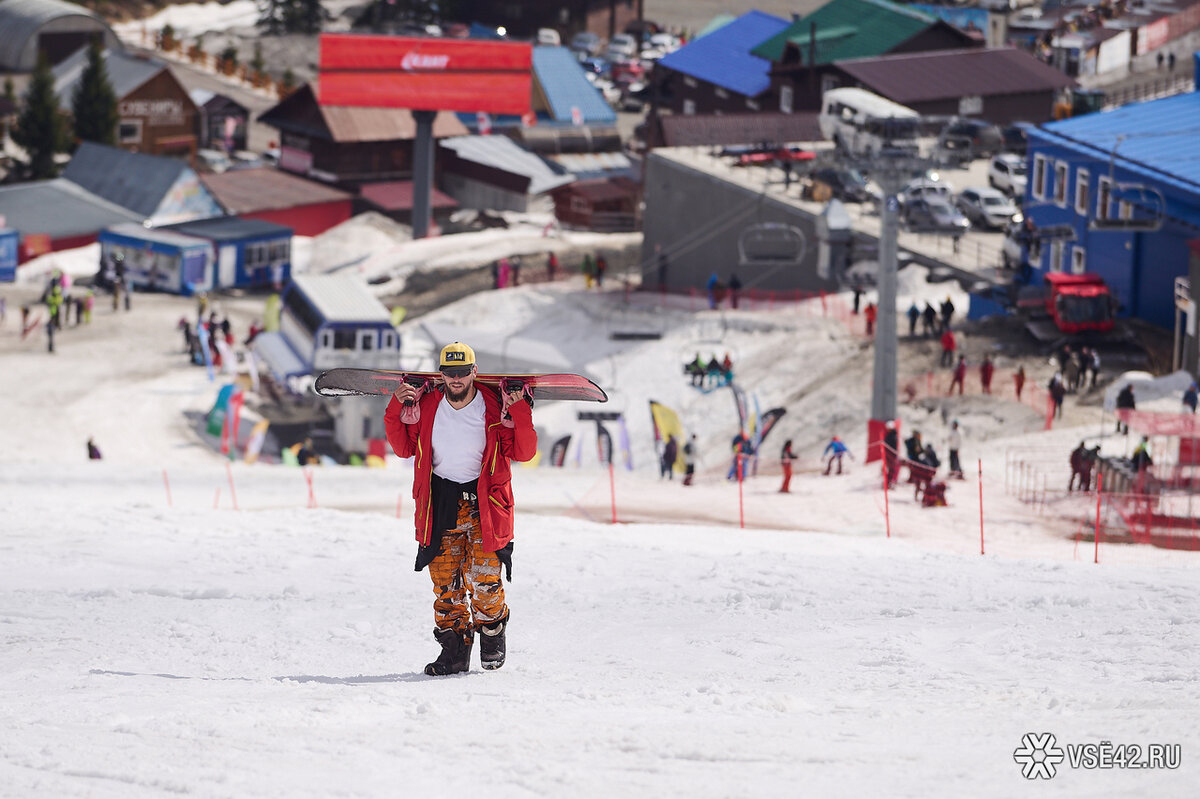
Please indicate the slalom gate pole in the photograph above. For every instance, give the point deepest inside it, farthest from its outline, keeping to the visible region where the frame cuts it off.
(741, 504)
(167, 484)
(981, 506)
(232, 491)
(217, 498)
(308, 478)
(1099, 492)
(887, 512)
(612, 491)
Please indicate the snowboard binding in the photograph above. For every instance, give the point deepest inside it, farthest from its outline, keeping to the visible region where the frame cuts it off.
(512, 385)
(410, 413)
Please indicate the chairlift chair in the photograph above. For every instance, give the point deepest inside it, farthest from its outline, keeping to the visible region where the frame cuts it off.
(1147, 208)
(771, 245)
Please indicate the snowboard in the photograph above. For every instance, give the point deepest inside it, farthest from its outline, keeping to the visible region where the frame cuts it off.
(348, 381)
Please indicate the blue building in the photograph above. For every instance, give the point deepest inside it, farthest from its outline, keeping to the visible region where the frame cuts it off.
(325, 322)
(1127, 182)
(157, 259)
(248, 253)
(9, 241)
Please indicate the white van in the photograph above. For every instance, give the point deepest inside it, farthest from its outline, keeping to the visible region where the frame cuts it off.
(863, 123)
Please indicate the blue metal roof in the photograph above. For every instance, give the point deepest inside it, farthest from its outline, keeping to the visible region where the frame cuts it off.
(565, 86)
(1159, 136)
(723, 57)
(135, 181)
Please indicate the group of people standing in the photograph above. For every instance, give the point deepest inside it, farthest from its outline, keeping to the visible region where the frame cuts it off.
(61, 300)
(934, 321)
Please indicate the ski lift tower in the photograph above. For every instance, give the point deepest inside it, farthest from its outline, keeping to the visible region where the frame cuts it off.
(425, 76)
(891, 168)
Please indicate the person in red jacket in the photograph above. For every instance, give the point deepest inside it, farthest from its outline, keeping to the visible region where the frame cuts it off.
(960, 375)
(986, 370)
(463, 436)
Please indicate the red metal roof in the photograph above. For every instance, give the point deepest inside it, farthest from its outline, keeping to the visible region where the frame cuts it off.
(242, 191)
(397, 195)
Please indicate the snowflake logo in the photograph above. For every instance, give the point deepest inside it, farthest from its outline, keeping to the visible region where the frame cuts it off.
(1038, 756)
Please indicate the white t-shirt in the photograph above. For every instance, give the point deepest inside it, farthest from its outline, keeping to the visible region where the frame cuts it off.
(458, 439)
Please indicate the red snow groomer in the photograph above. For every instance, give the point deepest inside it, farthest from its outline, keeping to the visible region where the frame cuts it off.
(1079, 303)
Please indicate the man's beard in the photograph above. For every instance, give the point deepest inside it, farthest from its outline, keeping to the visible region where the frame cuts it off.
(459, 397)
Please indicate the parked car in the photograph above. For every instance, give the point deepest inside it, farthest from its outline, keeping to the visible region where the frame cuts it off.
(847, 185)
(936, 215)
(971, 138)
(586, 44)
(548, 37)
(623, 45)
(1015, 239)
(1016, 137)
(926, 188)
(1007, 172)
(986, 207)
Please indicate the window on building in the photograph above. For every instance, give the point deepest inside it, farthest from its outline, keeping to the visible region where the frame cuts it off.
(689, 82)
(1103, 197)
(326, 339)
(752, 104)
(129, 131)
(366, 340)
(786, 99)
(1039, 177)
(387, 341)
(343, 339)
(367, 427)
(689, 107)
(1056, 256)
(829, 82)
(1082, 199)
(1078, 260)
(1060, 183)
(721, 93)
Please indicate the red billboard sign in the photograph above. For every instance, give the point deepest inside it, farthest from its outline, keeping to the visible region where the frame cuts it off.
(425, 74)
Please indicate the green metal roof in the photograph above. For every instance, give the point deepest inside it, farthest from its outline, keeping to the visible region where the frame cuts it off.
(849, 29)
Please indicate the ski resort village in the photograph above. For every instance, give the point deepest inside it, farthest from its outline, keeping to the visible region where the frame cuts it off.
(812, 382)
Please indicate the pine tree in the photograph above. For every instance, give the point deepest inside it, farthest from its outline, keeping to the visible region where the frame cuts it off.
(94, 103)
(41, 128)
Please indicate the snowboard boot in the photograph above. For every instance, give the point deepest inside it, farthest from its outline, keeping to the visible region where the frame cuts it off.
(491, 644)
(456, 653)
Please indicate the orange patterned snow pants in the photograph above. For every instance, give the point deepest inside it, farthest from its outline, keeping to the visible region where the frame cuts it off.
(463, 567)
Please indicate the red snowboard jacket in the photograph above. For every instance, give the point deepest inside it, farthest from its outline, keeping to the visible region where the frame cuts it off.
(518, 443)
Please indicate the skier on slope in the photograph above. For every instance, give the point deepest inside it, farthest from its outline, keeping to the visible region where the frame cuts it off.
(462, 485)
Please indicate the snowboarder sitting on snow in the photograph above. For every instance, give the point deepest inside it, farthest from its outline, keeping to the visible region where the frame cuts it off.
(93, 450)
(462, 483)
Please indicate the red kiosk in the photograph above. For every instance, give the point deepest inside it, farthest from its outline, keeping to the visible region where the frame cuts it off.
(425, 76)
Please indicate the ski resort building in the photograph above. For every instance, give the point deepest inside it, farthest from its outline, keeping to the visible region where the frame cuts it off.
(158, 259)
(249, 253)
(330, 321)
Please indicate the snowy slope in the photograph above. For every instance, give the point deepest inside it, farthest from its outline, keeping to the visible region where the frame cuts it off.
(276, 650)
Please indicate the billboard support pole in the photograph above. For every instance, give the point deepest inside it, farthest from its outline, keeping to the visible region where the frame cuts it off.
(422, 173)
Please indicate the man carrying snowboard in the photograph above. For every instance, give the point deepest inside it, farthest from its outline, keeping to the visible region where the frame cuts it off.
(463, 436)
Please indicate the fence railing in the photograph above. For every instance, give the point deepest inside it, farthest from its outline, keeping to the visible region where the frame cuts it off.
(1164, 86)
